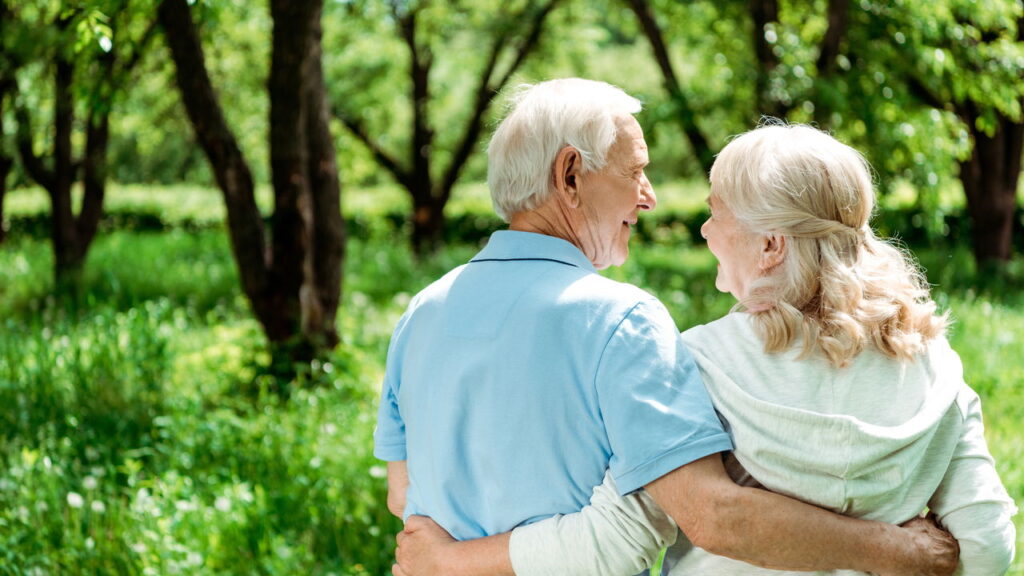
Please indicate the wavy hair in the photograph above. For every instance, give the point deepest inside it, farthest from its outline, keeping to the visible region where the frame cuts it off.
(839, 287)
(541, 120)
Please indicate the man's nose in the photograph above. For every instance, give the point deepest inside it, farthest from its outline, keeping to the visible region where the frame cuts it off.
(648, 199)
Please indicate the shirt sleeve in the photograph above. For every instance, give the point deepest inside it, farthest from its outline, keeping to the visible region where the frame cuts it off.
(656, 411)
(971, 501)
(613, 535)
(389, 434)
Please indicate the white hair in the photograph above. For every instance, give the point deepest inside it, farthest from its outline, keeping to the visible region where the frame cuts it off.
(839, 286)
(543, 119)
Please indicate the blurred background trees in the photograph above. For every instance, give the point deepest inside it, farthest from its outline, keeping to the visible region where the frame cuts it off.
(190, 388)
(401, 92)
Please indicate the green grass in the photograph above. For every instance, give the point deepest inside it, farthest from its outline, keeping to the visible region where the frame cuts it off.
(140, 437)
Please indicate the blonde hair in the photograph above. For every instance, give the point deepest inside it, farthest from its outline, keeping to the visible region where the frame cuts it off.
(839, 287)
(542, 119)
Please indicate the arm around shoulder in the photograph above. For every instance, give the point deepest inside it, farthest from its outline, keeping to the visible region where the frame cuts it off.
(773, 531)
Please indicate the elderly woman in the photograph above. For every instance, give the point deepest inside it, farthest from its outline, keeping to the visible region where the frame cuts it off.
(832, 373)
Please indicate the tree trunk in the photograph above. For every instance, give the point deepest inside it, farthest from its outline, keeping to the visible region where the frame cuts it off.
(687, 116)
(328, 253)
(67, 261)
(294, 284)
(427, 224)
(7, 66)
(71, 236)
(990, 178)
(94, 164)
(289, 162)
(5, 168)
(245, 223)
(764, 13)
(831, 43)
(6, 163)
(430, 194)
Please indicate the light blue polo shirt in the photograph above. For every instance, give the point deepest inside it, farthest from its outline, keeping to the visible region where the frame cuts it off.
(516, 380)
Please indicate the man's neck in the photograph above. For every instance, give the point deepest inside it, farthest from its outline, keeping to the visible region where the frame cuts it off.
(544, 220)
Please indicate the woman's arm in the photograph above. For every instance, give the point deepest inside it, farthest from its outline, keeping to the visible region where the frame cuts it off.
(971, 501)
(613, 535)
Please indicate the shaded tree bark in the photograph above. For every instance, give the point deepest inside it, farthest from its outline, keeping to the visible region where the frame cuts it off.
(57, 180)
(6, 70)
(292, 282)
(429, 193)
(828, 55)
(685, 113)
(326, 259)
(72, 235)
(991, 174)
(990, 177)
(764, 14)
(6, 162)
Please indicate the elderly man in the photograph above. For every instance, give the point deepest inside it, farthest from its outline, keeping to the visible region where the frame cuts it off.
(517, 380)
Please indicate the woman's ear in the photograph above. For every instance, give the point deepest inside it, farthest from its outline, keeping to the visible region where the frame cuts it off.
(566, 171)
(773, 251)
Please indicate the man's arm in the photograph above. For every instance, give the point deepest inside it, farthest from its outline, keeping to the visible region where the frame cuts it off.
(425, 549)
(773, 531)
(398, 485)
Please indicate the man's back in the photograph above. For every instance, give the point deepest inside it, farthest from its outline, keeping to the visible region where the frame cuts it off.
(521, 376)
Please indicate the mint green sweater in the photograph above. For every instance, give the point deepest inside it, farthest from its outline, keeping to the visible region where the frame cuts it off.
(880, 439)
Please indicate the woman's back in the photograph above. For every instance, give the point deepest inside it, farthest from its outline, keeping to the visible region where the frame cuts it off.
(874, 439)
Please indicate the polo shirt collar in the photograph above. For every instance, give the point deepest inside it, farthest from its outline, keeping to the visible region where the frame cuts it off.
(514, 245)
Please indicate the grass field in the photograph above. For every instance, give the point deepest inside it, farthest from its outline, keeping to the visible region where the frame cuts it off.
(140, 437)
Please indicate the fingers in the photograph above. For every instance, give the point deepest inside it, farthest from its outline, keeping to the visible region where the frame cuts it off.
(413, 523)
(399, 552)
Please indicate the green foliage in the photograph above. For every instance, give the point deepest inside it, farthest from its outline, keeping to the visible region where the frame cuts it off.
(142, 438)
(131, 450)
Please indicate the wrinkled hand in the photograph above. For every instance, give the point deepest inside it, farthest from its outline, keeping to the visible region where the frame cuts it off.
(941, 551)
(421, 548)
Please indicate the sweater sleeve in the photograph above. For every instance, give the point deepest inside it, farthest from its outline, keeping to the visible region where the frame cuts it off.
(971, 501)
(613, 535)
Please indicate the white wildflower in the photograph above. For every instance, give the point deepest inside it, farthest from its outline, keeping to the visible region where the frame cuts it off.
(75, 500)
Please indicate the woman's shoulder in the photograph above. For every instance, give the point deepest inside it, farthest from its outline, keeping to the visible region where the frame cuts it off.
(731, 326)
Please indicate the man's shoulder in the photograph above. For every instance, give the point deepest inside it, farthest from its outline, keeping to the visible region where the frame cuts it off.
(597, 288)
(437, 289)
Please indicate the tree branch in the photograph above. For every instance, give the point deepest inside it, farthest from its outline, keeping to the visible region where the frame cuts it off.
(420, 62)
(487, 90)
(140, 50)
(687, 116)
(922, 92)
(379, 154)
(32, 162)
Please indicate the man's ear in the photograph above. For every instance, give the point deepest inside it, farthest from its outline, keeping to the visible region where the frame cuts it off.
(566, 172)
(773, 251)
